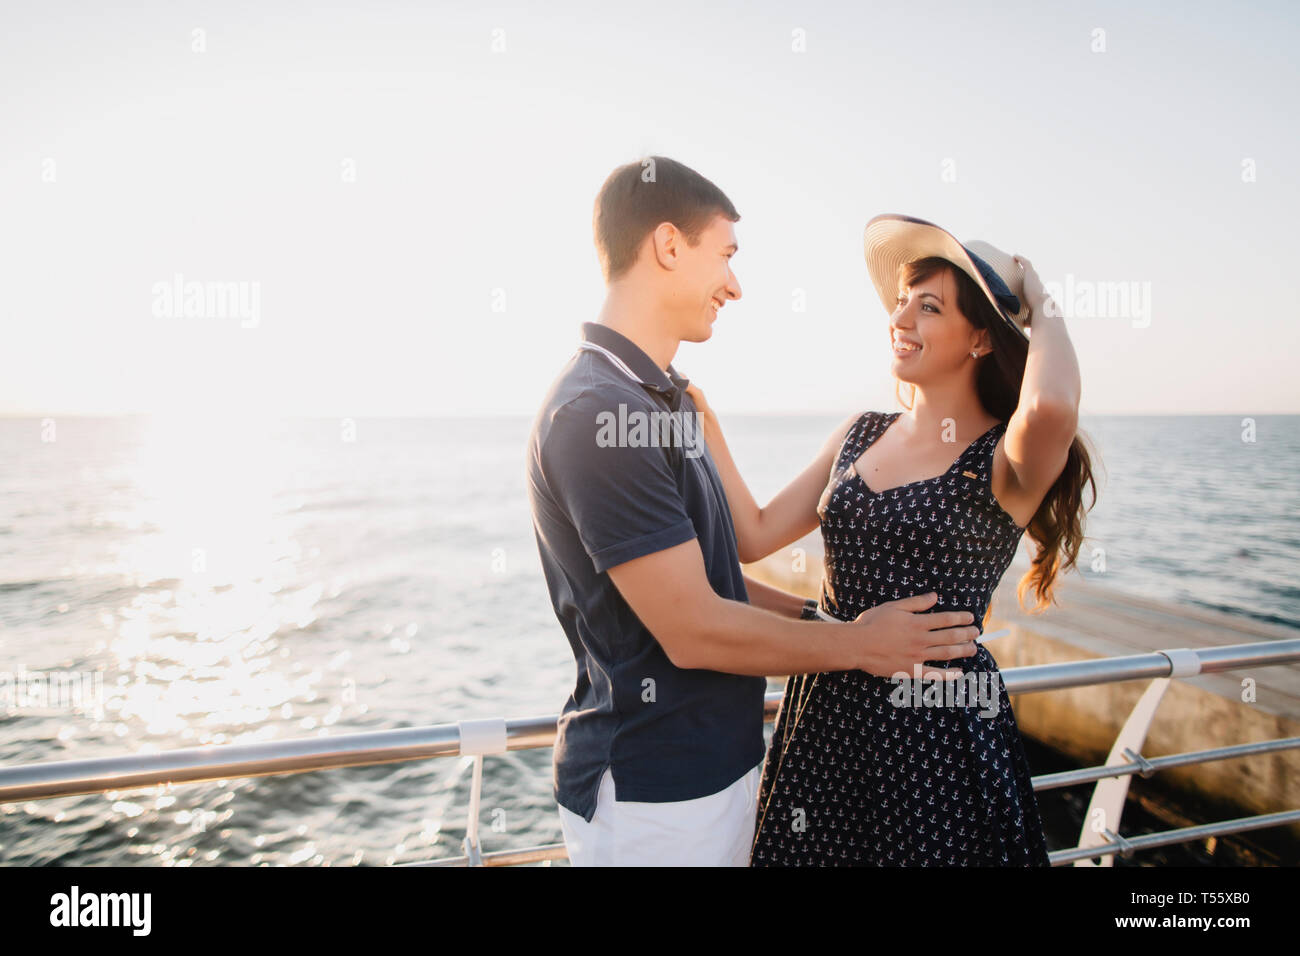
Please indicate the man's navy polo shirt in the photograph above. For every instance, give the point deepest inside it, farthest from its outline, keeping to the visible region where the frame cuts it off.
(665, 732)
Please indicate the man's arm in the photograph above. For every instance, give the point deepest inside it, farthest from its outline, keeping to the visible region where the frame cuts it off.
(669, 591)
(623, 501)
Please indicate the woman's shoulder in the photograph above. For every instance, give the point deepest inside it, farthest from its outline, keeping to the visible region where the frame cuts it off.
(852, 427)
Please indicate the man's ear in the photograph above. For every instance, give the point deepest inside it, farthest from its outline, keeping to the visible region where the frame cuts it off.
(665, 242)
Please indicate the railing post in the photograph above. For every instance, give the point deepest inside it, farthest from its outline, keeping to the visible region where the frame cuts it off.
(473, 852)
(1101, 822)
(479, 737)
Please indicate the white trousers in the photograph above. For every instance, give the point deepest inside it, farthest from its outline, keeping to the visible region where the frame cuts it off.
(717, 830)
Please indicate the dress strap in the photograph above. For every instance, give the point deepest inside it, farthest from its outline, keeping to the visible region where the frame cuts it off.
(981, 459)
(982, 448)
(851, 447)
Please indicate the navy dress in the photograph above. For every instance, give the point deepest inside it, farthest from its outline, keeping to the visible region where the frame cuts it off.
(853, 778)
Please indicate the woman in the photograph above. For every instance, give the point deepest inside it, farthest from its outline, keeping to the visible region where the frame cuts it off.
(859, 773)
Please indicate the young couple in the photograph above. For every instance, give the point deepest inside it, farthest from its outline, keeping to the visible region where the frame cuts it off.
(658, 754)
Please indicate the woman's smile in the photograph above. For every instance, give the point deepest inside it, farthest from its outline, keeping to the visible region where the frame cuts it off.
(904, 346)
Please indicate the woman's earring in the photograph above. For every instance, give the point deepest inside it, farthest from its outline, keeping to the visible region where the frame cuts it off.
(974, 355)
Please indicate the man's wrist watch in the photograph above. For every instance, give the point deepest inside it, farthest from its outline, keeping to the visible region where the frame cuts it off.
(809, 612)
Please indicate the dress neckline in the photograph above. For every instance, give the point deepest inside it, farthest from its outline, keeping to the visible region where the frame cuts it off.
(853, 463)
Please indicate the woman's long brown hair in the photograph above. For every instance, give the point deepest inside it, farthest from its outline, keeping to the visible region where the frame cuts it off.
(1057, 525)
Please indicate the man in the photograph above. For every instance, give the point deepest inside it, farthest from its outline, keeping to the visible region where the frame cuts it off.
(658, 750)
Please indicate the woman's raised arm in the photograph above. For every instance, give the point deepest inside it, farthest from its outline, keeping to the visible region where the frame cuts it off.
(1046, 419)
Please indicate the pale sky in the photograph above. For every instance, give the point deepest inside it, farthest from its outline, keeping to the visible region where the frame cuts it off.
(413, 207)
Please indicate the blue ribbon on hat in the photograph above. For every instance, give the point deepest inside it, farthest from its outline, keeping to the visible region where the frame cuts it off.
(1006, 298)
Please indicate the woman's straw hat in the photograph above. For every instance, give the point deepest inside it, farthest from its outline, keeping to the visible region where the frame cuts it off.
(892, 241)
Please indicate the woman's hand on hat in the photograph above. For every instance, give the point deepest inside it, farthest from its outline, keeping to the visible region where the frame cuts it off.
(1035, 295)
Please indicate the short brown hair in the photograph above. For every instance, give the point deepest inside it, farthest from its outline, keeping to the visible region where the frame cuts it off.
(637, 197)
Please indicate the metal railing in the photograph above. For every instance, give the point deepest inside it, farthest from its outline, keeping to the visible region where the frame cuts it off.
(483, 737)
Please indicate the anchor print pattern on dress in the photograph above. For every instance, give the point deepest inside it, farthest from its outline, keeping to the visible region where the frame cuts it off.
(853, 780)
